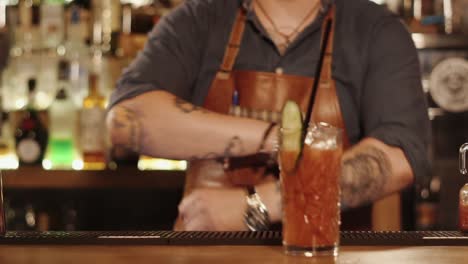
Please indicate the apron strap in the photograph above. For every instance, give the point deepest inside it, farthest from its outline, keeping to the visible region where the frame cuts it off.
(232, 49)
(219, 100)
(326, 82)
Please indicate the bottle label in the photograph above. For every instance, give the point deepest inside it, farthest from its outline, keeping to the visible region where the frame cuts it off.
(92, 129)
(29, 150)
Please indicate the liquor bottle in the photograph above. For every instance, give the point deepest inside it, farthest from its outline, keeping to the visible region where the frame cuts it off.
(31, 135)
(20, 215)
(463, 194)
(69, 216)
(3, 136)
(30, 218)
(77, 55)
(115, 8)
(76, 31)
(8, 159)
(43, 221)
(125, 42)
(106, 14)
(52, 26)
(25, 12)
(24, 61)
(5, 39)
(92, 128)
(463, 208)
(3, 14)
(427, 205)
(62, 114)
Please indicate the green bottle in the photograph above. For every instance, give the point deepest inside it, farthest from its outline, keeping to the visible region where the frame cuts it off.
(61, 149)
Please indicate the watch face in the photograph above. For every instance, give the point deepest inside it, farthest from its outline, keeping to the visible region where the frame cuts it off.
(449, 84)
(256, 215)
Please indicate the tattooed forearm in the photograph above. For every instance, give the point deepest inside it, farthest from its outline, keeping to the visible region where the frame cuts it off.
(187, 107)
(364, 175)
(233, 148)
(125, 131)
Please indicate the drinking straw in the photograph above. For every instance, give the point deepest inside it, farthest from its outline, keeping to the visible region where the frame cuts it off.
(318, 71)
(311, 102)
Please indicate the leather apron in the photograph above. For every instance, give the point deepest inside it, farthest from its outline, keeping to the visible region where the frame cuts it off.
(261, 95)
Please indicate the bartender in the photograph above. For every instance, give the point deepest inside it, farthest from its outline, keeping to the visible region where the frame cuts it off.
(214, 74)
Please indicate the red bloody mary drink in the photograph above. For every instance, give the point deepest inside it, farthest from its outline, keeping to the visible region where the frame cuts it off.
(311, 194)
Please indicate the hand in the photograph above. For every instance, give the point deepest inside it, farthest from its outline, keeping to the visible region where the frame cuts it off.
(214, 209)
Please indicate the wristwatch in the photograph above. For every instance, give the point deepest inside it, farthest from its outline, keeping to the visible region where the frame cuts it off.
(256, 216)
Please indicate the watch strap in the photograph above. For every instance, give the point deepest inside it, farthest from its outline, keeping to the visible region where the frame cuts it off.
(256, 216)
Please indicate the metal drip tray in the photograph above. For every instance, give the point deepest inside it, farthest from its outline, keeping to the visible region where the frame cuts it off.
(348, 238)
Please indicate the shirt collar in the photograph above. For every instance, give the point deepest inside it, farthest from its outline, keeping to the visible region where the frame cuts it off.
(252, 18)
(247, 5)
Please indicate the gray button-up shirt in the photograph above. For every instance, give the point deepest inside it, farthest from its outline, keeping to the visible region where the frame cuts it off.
(375, 66)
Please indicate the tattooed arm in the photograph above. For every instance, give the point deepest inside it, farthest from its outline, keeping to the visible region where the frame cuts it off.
(160, 124)
(372, 170)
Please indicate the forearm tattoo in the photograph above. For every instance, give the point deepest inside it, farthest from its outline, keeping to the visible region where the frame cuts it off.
(125, 123)
(234, 147)
(187, 107)
(364, 175)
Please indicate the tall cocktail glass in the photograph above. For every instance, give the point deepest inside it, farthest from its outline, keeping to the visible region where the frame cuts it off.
(311, 193)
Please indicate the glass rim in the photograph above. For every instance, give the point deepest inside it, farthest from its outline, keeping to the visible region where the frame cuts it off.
(323, 126)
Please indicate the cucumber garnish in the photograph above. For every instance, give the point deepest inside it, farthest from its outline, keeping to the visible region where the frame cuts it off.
(291, 136)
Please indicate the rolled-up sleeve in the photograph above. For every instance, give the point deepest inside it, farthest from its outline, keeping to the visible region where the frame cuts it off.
(4, 48)
(394, 108)
(171, 56)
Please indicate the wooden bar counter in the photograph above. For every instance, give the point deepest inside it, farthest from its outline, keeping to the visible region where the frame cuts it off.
(224, 254)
